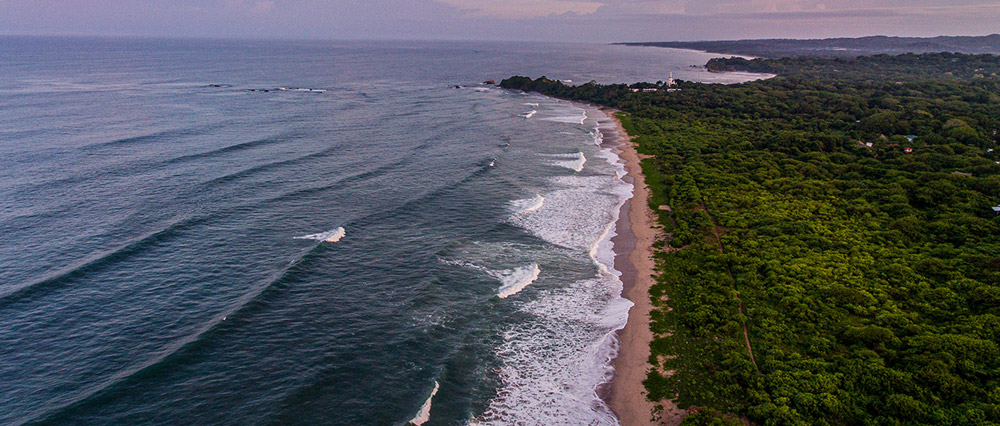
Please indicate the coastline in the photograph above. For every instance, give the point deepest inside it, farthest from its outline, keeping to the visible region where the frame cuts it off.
(637, 231)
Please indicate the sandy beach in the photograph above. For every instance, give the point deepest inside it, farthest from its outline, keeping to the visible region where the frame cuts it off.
(637, 230)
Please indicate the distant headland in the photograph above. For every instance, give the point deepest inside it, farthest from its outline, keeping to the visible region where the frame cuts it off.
(862, 46)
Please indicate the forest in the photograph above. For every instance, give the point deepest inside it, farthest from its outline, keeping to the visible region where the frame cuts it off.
(833, 254)
(930, 66)
(842, 47)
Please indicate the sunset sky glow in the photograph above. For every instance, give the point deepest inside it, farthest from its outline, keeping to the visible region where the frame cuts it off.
(543, 20)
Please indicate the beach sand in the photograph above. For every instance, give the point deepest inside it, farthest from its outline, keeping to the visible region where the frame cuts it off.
(637, 230)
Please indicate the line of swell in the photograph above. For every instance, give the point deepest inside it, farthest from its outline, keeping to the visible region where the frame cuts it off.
(250, 171)
(319, 154)
(126, 170)
(116, 385)
(94, 262)
(101, 259)
(242, 146)
(155, 136)
(406, 206)
(346, 180)
(176, 353)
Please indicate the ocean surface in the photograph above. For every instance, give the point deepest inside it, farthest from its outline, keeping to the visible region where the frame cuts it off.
(342, 233)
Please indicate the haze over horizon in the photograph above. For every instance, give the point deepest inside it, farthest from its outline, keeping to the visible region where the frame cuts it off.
(515, 20)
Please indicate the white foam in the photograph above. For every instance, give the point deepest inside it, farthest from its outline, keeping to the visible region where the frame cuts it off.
(465, 264)
(512, 281)
(553, 362)
(528, 205)
(598, 137)
(515, 280)
(579, 116)
(331, 236)
(425, 410)
(530, 114)
(534, 104)
(580, 163)
(503, 255)
(576, 212)
(576, 164)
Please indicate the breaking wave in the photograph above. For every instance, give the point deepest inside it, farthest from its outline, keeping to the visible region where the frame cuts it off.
(553, 363)
(576, 164)
(515, 280)
(331, 236)
(528, 205)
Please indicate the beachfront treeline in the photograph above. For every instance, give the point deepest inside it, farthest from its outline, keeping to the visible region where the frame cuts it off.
(835, 254)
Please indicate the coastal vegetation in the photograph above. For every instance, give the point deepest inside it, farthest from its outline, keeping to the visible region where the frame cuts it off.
(834, 255)
(878, 68)
(842, 47)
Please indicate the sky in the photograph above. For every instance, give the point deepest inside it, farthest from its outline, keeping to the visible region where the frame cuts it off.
(534, 20)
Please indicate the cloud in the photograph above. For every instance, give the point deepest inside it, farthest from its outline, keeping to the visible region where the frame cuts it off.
(645, 7)
(518, 9)
(548, 20)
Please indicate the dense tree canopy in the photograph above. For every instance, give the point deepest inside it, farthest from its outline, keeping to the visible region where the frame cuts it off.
(840, 228)
(841, 47)
(930, 66)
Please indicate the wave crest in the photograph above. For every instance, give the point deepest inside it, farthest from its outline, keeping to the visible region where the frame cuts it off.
(331, 236)
(515, 280)
(528, 205)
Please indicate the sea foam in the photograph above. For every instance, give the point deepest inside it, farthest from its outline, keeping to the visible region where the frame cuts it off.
(528, 205)
(515, 280)
(569, 115)
(330, 236)
(512, 281)
(424, 414)
(553, 363)
(572, 215)
(573, 162)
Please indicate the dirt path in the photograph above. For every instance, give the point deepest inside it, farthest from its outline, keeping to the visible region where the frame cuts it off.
(729, 270)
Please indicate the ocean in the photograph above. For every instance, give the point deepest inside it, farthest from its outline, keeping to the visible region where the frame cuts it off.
(290, 232)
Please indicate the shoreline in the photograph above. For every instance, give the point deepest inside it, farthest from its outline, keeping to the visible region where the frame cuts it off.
(637, 231)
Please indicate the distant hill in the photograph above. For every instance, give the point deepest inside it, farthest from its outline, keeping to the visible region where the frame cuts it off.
(863, 46)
